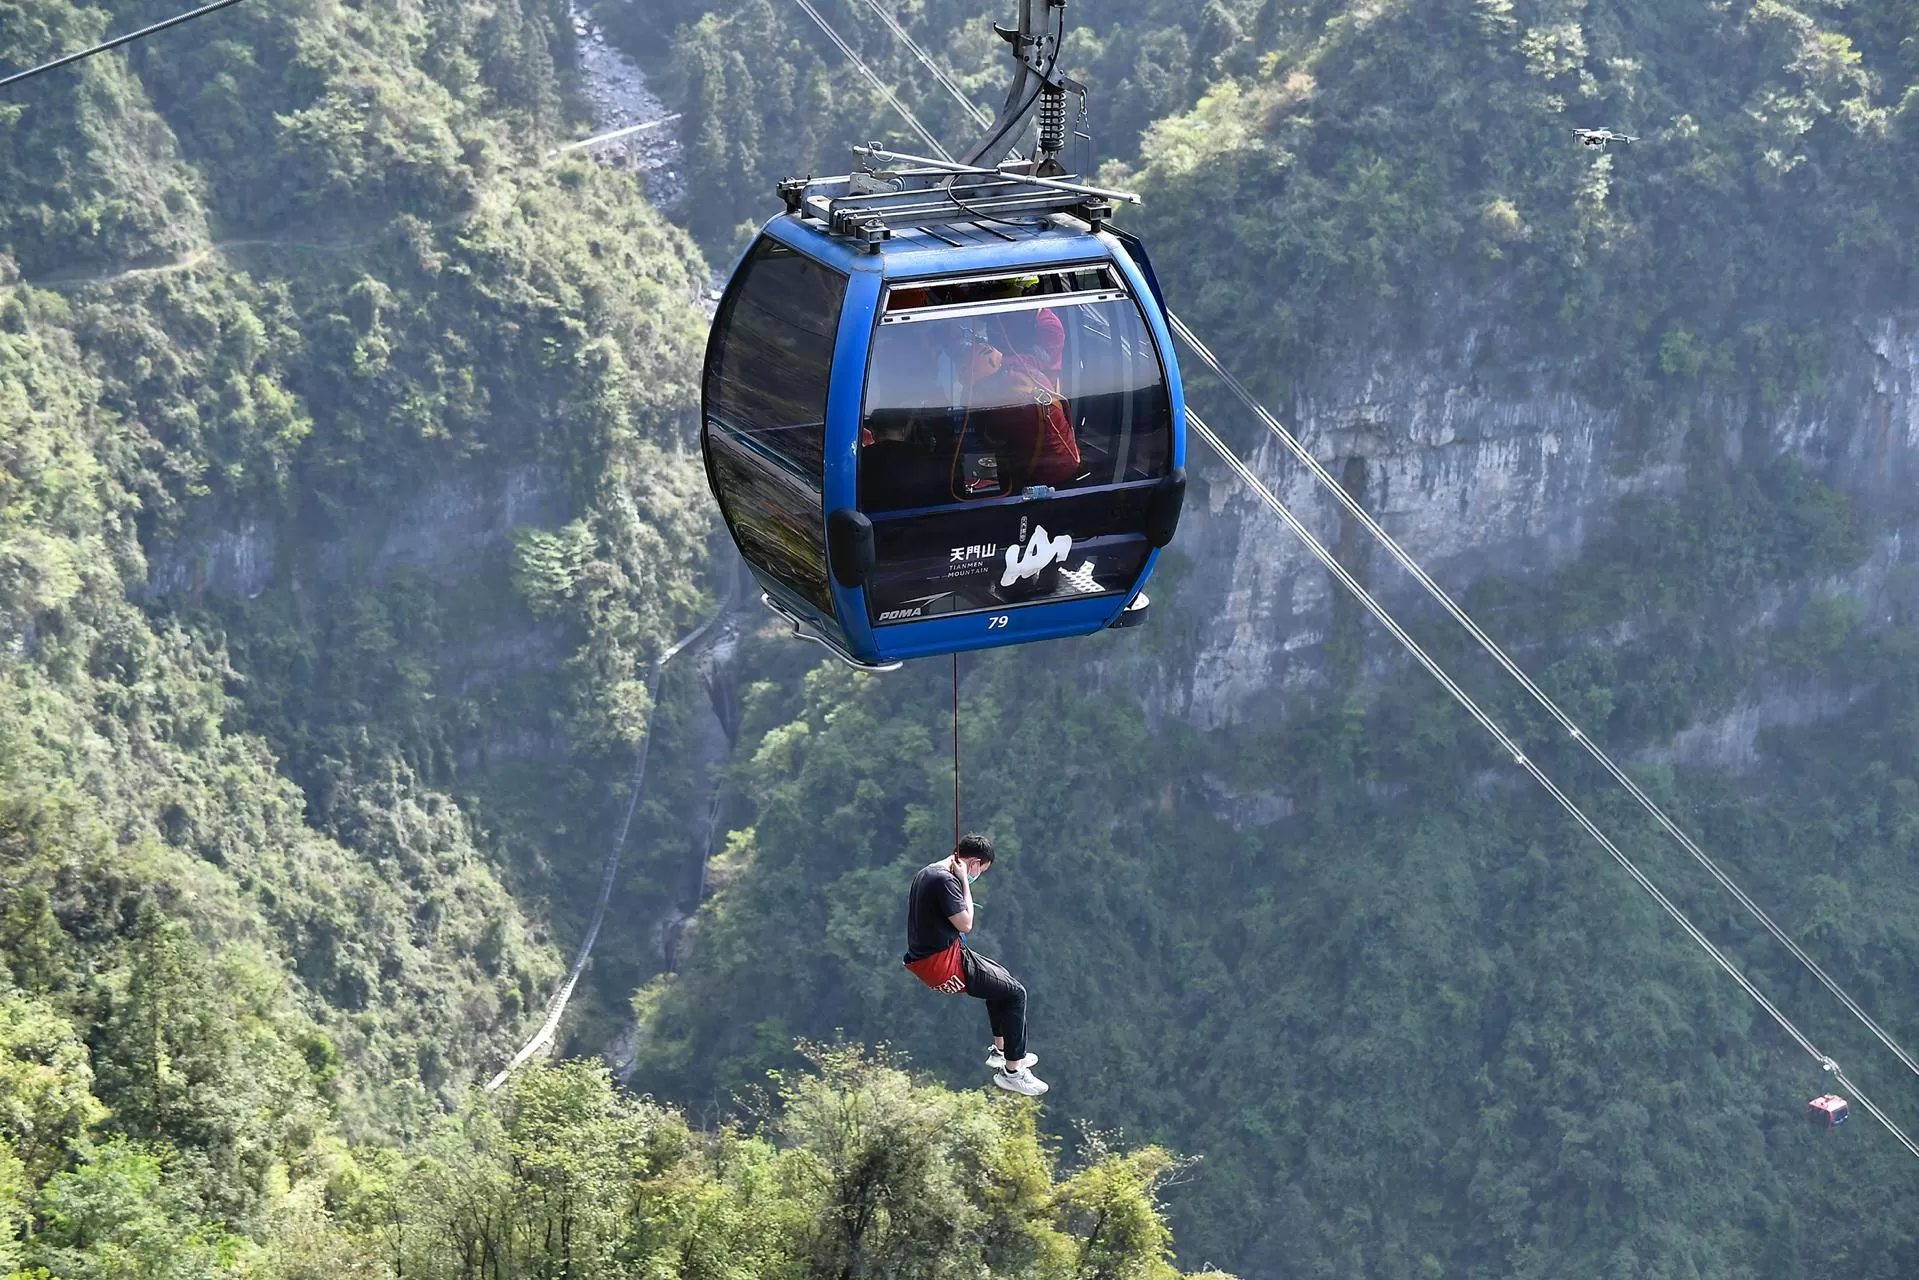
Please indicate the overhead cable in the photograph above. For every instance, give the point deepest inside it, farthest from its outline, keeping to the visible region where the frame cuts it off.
(979, 114)
(1358, 511)
(1506, 743)
(1858, 1095)
(114, 43)
(956, 749)
(873, 79)
(614, 135)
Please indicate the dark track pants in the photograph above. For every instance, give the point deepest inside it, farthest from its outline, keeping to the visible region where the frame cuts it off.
(1005, 999)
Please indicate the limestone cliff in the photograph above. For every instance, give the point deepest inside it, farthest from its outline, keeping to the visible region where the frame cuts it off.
(1480, 472)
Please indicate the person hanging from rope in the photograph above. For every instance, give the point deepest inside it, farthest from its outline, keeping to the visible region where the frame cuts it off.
(939, 914)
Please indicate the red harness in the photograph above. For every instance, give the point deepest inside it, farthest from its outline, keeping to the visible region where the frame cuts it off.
(943, 970)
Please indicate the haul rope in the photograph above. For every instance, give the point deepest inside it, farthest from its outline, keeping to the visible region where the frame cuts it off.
(956, 771)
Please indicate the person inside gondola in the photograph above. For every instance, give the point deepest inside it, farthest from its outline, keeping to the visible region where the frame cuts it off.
(1018, 410)
(903, 439)
(899, 467)
(972, 398)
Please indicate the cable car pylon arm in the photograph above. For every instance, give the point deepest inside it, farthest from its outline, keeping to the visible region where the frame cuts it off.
(865, 206)
(1037, 83)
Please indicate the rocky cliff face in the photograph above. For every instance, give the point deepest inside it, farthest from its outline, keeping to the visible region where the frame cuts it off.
(455, 533)
(1507, 473)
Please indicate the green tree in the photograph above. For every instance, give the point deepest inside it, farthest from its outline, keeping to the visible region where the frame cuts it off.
(908, 1179)
(121, 1214)
(1111, 1208)
(15, 1193)
(47, 1107)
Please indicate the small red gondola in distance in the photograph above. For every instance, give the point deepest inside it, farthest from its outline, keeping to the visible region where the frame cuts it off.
(1827, 1111)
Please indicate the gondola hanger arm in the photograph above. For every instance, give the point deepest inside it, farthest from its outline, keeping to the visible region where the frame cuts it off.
(1036, 50)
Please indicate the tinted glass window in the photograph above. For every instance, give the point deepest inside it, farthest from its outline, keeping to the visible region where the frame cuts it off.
(767, 373)
(773, 353)
(982, 388)
(935, 292)
(774, 514)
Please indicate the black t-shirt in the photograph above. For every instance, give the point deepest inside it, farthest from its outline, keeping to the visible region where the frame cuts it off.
(936, 895)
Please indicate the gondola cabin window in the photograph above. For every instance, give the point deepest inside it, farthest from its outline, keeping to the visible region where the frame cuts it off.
(767, 373)
(1025, 414)
(983, 388)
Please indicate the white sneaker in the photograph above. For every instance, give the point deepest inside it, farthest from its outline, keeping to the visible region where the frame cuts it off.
(1021, 1081)
(996, 1059)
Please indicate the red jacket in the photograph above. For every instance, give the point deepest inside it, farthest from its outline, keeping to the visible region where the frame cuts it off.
(1038, 437)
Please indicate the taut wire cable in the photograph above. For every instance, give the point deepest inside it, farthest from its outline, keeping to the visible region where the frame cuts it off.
(114, 43)
(979, 115)
(956, 765)
(1358, 511)
(873, 79)
(1539, 775)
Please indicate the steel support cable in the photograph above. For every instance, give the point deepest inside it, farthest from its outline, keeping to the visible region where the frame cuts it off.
(979, 114)
(115, 43)
(873, 79)
(556, 1007)
(1519, 757)
(613, 135)
(956, 767)
(1545, 701)
(1858, 1095)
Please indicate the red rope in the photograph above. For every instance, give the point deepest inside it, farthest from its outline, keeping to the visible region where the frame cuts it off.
(956, 767)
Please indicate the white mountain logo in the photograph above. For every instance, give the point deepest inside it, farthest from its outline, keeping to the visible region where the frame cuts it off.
(1040, 551)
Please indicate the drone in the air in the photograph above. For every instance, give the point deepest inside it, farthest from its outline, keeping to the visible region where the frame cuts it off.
(1600, 137)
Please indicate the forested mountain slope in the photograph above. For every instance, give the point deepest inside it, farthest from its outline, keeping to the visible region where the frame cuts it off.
(345, 496)
(1405, 171)
(345, 500)
(246, 304)
(1277, 905)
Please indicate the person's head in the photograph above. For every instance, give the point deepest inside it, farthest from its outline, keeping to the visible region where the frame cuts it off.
(975, 853)
(889, 426)
(1014, 287)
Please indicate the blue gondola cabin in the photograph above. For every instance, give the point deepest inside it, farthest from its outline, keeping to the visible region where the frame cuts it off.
(947, 436)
